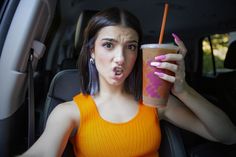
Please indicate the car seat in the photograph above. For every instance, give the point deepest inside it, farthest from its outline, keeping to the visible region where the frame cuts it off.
(70, 63)
(227, 83)
(65, 85)
(230, 59)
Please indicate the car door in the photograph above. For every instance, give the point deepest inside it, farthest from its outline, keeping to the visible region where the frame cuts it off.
(24, 23)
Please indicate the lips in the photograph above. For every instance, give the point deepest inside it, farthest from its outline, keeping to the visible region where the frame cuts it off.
(118, 71)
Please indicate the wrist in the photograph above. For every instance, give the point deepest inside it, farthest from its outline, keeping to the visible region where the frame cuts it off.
(185, 92)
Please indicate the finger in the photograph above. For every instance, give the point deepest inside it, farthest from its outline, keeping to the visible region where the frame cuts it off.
(179, 79)
(179, 42)
(166, 77)
(165, 65)
(181, 65)
(169, 57)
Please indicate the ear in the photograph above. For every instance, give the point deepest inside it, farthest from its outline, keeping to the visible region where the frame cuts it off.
(92, 53)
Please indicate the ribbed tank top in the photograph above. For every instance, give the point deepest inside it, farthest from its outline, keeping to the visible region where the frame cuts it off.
(97, 137)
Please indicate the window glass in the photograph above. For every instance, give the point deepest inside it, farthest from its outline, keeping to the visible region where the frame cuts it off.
(3, 4)
(220, 43)
(7, 10)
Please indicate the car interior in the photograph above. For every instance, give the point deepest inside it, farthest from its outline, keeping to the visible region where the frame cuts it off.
(40, 42)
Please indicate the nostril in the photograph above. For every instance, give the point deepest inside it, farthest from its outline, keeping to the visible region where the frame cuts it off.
(119, 60)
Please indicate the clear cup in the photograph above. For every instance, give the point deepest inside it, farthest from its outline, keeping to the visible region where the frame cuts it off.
(155, 91)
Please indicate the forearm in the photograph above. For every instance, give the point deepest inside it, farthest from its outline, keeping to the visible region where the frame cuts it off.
(59, 126)
(41, 148)
(214, 119)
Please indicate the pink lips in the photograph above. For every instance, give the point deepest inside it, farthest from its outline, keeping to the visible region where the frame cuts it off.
(118, 72)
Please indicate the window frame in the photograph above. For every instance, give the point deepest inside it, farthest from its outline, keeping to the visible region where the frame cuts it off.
(214, 68)
(7, 11)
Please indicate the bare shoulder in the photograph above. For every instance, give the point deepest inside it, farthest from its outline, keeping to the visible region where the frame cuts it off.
(67, 111)
(60, 124)
(69, 106)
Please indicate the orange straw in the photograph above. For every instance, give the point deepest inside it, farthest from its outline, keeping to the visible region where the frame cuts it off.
(163, 23)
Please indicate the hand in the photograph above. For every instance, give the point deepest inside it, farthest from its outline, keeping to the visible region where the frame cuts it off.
(163, 62)
(180, 73)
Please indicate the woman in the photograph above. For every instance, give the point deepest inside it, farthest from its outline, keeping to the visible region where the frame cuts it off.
(108, 116)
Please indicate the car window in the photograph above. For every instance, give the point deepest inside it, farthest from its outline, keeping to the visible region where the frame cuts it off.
(3, 5)
(7, 10)
(214, 48)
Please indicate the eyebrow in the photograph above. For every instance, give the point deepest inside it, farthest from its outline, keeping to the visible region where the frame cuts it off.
(113, 40)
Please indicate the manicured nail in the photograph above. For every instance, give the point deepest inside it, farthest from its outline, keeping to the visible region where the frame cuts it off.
(161, 57)
(159, 74)
(176, 37)
(157, 64)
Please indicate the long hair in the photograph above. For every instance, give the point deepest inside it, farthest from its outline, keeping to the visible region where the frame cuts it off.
(89, 77)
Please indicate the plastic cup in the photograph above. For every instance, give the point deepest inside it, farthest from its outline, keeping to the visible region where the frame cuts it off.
(155, 91)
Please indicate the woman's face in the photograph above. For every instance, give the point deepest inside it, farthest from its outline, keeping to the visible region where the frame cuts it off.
(115, 53)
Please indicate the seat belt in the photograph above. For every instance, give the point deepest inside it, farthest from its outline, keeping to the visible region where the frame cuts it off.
(36, 52)
(31, 111)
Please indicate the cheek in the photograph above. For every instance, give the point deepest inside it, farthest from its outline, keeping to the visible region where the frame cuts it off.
(102, 61)
(103, 58)
(132, 60)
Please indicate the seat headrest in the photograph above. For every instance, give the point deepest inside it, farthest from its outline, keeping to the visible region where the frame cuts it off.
(82, 22)
(65, 85)
(230, 59)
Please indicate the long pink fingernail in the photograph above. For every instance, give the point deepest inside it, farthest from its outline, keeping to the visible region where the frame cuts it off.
(155, 64)
(161, 57)
(176, 37)
(159, 74)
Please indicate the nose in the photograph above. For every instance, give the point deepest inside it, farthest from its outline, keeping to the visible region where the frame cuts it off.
(119, 57)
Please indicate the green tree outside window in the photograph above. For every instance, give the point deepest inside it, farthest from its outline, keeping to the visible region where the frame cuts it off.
(220, 47)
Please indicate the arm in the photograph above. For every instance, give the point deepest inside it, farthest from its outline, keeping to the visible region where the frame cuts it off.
(212, 118)
(59, 125)
(191, 111)
(178, 114)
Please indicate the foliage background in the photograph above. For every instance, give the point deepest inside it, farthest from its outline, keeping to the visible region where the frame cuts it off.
(220, 47)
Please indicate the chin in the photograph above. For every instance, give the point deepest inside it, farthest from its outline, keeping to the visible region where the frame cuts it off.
(116, 83)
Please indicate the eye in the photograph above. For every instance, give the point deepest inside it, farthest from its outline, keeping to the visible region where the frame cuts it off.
(132, 47)
(107, 45)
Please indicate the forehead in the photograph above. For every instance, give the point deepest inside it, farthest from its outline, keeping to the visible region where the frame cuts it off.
(118, 33)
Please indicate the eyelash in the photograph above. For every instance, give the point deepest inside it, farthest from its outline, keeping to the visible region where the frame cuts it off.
(107, 45)
(132, 47)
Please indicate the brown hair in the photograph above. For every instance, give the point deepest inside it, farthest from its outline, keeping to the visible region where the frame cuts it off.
(89, 77)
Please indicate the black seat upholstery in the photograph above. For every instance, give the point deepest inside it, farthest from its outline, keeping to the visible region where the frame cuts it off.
(227, 83)
(171, 143)
(65, 85)
(62, 88)
(213, 150)
(70, 63)
(83, 20)
(230, 59)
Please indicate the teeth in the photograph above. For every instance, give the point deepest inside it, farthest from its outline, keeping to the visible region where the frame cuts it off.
(118, 71)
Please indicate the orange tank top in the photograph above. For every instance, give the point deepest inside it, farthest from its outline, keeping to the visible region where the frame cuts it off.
(97, 137)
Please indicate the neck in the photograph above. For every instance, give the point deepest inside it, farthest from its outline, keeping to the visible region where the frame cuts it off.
(111, 90)
(116, 94)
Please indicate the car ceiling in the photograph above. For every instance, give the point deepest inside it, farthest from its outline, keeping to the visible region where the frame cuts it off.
(185, 16)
